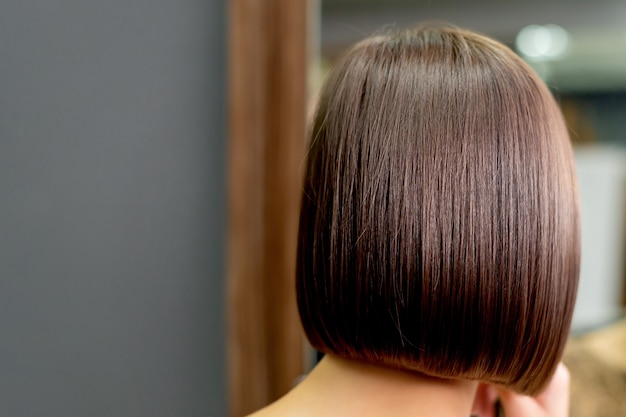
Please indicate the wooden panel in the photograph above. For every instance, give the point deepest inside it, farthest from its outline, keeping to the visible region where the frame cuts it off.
(267, 93)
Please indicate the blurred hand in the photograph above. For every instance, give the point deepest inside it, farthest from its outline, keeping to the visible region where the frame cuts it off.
(552, 402)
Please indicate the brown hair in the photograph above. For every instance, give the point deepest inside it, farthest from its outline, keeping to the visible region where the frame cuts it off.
(439, 225)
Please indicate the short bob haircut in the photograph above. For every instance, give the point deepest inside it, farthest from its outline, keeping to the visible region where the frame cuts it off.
(439, 226)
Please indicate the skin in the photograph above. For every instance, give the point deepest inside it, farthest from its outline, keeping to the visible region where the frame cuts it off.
(552, 402)
(339, 387)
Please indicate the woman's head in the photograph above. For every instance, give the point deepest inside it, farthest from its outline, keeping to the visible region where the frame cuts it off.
(439, 224)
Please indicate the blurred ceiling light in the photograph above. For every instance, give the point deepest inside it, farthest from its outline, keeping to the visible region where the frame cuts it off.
(542, 43)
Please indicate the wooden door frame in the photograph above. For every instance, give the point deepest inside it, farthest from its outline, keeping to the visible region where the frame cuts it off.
(268, 54)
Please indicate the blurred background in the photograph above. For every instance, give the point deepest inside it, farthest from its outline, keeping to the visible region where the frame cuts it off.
(149, 163)
(113, 208)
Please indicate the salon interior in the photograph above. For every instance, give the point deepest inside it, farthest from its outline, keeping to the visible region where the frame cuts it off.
(150, 159)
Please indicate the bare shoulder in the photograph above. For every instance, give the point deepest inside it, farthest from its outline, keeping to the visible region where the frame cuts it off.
(297, 403)
(280, 409)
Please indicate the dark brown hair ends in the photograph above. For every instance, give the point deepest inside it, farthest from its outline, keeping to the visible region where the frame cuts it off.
(439, 229)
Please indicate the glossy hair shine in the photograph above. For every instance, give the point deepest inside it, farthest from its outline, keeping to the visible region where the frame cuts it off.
(439, 227)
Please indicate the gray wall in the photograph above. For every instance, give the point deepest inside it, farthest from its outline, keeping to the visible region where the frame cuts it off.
(112, 215)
